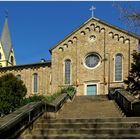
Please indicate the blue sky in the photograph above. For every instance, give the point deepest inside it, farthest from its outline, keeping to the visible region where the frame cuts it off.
(37, 26)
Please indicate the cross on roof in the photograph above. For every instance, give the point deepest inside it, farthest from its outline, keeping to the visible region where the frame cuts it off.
(92, 9)
(6, 13)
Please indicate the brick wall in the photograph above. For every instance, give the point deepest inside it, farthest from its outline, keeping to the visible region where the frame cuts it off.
(108, 41)
(27, 77)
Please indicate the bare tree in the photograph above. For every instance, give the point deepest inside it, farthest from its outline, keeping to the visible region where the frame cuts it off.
(130, 15)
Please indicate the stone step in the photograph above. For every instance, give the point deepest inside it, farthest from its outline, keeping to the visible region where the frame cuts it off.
(79, 101)
(83, 136)
(91, 98)
(91, 120)
(119, 109)
(90, 109)
(90, 125)
(89, 131)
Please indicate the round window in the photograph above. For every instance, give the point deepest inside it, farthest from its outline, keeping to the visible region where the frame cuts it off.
(92, 60)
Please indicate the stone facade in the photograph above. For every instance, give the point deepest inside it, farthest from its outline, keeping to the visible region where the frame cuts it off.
(107, 42)
(26, 72)
(93, 37)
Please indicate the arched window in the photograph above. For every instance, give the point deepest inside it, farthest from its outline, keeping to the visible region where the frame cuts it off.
(67, 71)
(18, 77)
(12, 59)
(118, 67)
(35, 83)
(0, 56)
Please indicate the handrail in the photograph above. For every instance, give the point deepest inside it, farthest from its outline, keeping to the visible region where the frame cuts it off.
(57, 103)
(24, 116)
(17, 116)
(127, 102)
(18, 122)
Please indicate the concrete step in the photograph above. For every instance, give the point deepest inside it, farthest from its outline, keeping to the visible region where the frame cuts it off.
(91, 120)
(91, 98)
(119, 109)
(83, 136)
(91, 109)
(89, 131)
(89, 125)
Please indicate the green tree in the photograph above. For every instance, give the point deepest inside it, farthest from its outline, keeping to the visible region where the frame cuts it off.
(133, 80)
(12, 92)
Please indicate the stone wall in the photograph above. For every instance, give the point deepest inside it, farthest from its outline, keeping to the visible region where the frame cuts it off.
(101, 39)
(26, 72)
(94, 36)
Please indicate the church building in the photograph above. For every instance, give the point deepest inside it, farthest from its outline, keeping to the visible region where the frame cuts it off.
(93, 58)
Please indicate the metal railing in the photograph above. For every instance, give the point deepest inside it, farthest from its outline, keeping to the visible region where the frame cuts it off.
(15, 122)
(127, 102)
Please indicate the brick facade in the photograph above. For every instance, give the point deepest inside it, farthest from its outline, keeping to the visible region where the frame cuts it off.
(94, 36)
(26, 72)
(108, 41)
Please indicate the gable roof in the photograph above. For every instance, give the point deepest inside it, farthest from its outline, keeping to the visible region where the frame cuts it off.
(102, 22)
(6, 40)
(39, 64)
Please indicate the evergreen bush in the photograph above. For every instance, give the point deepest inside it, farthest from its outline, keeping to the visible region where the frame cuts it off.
(133, 80)
(12, 92)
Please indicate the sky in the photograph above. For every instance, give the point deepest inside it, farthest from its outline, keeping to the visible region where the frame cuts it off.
(37, 26)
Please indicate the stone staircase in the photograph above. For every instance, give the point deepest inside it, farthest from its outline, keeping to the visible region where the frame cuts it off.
(86, 117)
(90, 107)
(108, 128)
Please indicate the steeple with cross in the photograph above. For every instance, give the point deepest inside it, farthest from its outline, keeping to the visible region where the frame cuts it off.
(6, 13)
(92, 9)
(6, 51)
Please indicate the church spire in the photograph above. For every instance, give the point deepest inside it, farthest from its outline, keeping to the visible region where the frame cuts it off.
(6, 13)
(6, 39)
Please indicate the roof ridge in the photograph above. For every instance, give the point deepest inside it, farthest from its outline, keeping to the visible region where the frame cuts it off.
(24, 65)
(102, 22)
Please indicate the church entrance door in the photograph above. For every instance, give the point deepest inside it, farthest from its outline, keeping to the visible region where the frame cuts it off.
(92, 89)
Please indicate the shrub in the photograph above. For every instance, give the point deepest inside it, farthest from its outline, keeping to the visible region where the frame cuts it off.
(50, 98)
(70, 90)
(43, 98)
(34, 98)
(12, 92)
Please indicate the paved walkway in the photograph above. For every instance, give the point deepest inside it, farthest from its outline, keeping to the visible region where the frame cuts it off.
(90, 107)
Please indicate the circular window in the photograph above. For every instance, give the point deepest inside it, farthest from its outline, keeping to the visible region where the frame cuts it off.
(92, 60)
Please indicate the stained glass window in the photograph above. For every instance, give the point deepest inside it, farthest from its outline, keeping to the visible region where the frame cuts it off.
(118, 67)
(92, 60)
(67, 71)
(35, 83)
